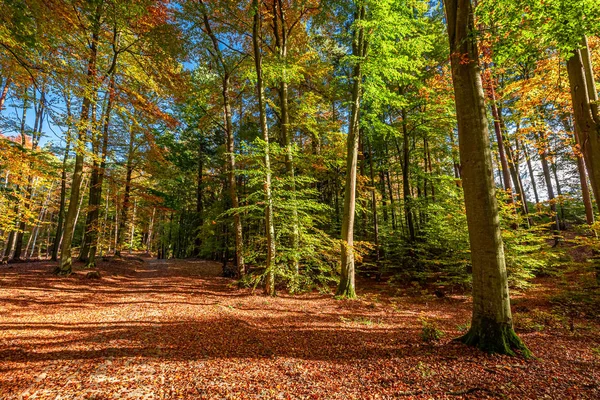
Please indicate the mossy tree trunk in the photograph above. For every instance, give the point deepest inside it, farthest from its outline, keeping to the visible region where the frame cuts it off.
(491, 325)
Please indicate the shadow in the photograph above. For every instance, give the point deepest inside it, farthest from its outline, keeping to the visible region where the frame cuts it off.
(225, 337)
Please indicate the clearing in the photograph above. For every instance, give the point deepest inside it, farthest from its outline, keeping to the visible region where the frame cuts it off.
(175, 329)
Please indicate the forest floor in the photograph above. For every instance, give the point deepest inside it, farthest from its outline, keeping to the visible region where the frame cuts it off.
(174, 329)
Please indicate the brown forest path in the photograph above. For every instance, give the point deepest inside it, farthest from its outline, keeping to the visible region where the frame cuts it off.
(174, 329)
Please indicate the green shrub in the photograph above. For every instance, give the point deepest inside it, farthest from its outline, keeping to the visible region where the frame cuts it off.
(430, 332)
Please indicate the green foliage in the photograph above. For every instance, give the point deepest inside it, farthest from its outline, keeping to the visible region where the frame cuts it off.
(522, 26)
(317, 251)
(527, 249)
(430, 332)
(539, 320)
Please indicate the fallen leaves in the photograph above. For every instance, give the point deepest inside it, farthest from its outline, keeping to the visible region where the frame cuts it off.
(174, 329)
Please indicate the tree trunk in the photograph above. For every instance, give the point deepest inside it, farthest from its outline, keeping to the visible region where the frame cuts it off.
(585, 111)
(548, 180)
(531, 174)
(585, 190)
(36, 229)
(65, 265)
(383, 196)
(239, 238)
(491, 325)
(28, 191)
(132, 230)
(4, 93)
(499, 138)
(63, 195)
(513, 165)
(406, 180)
(346, 287)
(269, 223)
(199, 199)
(374, 206)
(95, 211)
(281, 44)
(127, 195)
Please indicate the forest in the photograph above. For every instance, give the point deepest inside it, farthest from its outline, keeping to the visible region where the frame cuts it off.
(299, 199)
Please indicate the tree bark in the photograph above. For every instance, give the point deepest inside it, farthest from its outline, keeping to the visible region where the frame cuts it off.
(63, 194)
(281, 44)
(346, 287)
(65, 265)
(406, 179)
(269, 223)
(500, 140)
(548, 180)
(4, 92)
(491, 325)
(127, 195)
(531, 174)
(585, 190)
(585, 111)
(374, 207)
(97, 193)
(237, 222)
(199, 199)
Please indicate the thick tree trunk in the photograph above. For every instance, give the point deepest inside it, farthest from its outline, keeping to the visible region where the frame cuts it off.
(346, 287)
(491, 324)
(269, 223)
(585, 111)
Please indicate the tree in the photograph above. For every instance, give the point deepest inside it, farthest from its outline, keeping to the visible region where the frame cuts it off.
(270, 264)
(346, 287)
(491, 324)
(65, 264)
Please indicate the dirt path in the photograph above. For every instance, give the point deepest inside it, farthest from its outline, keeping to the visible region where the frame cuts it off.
(174, 329)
